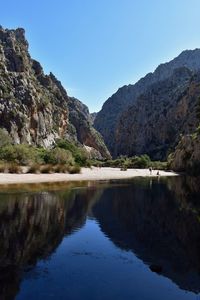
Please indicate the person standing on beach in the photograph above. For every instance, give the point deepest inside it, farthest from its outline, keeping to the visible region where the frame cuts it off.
(150, 170)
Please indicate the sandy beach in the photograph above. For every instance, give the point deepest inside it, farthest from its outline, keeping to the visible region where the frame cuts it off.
(85, 175)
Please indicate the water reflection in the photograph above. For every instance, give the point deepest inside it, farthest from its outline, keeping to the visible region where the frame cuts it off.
(160, 225)
(32, 226)
(158, 221)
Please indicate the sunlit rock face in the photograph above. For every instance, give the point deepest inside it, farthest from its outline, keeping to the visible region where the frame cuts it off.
(34, 107)
(147, 117)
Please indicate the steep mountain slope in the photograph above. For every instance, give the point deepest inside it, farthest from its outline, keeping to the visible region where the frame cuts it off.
(34, 107)
(93, 116)
(106, 121)
(154, 123)
(186, 157)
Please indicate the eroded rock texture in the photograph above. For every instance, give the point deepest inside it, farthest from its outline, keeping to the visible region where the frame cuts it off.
(154, 124)
(186, 157)
(34, 107)
(152, 113)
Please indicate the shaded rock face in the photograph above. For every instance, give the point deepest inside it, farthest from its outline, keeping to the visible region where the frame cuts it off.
(34, 107)
(154, 124)
(107, 120)
(93, 116)
(186, 157)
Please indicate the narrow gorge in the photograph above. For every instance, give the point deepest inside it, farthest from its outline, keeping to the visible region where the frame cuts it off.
(35, 108)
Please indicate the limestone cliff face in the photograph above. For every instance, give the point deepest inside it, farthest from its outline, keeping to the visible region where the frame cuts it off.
(34, 107)
(107, 120)
(186, 157)
(154, 123)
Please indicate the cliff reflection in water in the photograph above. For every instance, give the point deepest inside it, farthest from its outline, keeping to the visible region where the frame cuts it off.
(32, 226)
(158, 221)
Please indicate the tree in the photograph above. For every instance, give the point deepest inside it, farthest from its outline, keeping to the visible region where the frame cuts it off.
(5, 138)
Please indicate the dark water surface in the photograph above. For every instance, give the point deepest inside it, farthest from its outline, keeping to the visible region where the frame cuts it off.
(138, 239)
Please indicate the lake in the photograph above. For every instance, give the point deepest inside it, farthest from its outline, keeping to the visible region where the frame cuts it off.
(135, 239)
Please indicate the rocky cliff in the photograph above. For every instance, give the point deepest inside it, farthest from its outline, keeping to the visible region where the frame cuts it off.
(114, 111)
(154, 123)
(186, 157)
(34, 107)
(93, 116)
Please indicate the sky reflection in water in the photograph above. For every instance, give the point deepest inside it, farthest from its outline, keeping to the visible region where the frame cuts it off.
(101, 242)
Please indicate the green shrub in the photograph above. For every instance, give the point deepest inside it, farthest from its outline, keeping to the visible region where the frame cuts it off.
(5, 138)
(41, 155)
(64, 144)
(160, 165)
(123, 163)
(95, 163)
(8, 153)
(142, 161)
(58, 156)
(80, 155)
(74, 169)
(19, 154)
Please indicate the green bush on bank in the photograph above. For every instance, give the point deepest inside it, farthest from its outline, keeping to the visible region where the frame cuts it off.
(135, 162)
(79, 154)
(63, 157)
(58, 156)
(19, 154)
(5, 139)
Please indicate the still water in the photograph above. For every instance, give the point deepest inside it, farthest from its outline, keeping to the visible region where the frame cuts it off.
(138, 239)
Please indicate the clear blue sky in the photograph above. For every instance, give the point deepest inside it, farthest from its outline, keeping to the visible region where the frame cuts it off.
(96, 46)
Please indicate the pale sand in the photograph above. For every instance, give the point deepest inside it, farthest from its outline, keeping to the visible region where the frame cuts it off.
(86, 174)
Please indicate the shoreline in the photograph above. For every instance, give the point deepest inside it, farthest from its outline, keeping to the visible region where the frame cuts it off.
(87, 174)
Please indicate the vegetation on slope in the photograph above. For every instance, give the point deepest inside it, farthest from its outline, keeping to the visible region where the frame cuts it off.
(64, 156)
(139, 162)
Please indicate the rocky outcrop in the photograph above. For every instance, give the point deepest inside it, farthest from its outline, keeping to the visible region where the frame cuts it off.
(186, 157)
(79, 116)
(34, 107)
(117, 106)
(93, 116)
